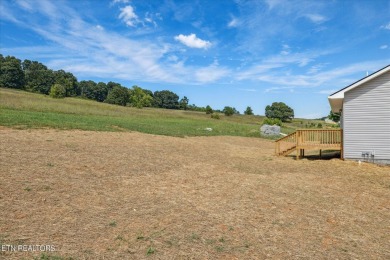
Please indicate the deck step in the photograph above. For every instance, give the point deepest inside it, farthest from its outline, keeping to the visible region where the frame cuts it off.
(288, 151)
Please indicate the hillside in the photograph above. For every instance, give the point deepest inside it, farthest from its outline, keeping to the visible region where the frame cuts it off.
(22, 109)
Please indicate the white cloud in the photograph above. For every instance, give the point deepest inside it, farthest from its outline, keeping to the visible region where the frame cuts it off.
(257, 70)
(386, 26)
(128, 16)
(120, 1)
(316, 68)
(285, 49)
(383, 47)
(25, 5)
(211, 73)
(273, 3)
(192, 41)
(234, 22)
(316, 18)
(278, 89)
(248, 89)
(99, 27)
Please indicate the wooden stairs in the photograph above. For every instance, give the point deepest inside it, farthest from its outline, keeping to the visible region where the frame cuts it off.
(288, 151)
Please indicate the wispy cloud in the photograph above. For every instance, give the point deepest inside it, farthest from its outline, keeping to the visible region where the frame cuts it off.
(248, 89)
(279, 89)
(120, 1)
(211, 73)
(273, 3)
(285, 50)
(316, 68)
(192, 41)
(89, 50)
(234, 22)
(383, 47)
(25, 5)
(316, 18)
(128, 16)
(386, 26)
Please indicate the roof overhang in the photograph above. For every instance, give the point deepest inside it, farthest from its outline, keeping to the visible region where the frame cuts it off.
(336, 99)
(336, 104)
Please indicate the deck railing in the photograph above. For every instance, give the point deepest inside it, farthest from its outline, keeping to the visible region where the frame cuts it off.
(319, 139)
(286, 144)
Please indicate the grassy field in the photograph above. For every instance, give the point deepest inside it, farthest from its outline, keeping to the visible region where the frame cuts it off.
(120, 195)
(22, 109)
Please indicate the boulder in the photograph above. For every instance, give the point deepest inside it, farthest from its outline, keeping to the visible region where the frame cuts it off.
(270, 130)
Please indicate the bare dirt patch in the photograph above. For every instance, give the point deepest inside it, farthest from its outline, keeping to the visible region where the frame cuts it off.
(96, 195)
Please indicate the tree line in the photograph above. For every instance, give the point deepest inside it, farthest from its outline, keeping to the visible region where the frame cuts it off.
(35, 77)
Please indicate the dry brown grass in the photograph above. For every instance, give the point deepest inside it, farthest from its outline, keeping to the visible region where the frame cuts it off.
(96, 195)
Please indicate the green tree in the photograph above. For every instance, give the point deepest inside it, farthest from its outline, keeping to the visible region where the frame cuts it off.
(69, 81)
(118, 95)
(87, 89)
(57, 91)
(279, 110)
(209, 110)
(248, 111)
(110, 85)
(139, 98)
(38, 78)
(183, 103)
(229, 111)
(11, 72)
(334, 116)
(101, 91)
(166, 99)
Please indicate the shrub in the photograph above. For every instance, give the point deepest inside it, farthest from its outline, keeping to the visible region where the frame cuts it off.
(319, 125)
(272, 121)
(215, 116)
(57, 91)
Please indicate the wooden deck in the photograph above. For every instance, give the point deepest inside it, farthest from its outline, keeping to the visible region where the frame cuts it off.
(309, 139)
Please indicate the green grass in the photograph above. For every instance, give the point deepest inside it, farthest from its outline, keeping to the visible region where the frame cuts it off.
(20, 109)
(112, 224)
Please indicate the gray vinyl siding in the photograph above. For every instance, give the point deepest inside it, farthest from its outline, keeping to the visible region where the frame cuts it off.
(366, 119)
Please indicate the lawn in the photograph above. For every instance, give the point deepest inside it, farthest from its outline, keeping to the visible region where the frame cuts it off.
(129, 195)
(22, 109)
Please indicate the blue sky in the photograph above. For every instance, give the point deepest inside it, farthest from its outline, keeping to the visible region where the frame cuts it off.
(215, 52)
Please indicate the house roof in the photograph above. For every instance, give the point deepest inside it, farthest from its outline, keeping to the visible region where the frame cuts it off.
(337, 98)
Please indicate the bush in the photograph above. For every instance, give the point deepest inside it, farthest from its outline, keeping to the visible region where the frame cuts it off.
(215, 116)
(272, 121)
(319, 125)
(57, 91)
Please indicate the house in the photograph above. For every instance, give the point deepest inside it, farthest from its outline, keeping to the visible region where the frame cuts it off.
(365, 117)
